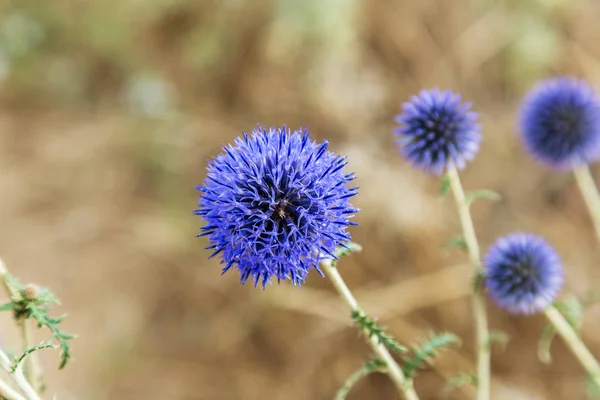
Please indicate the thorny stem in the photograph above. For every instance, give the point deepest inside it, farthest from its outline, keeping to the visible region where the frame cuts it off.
(18, 377)
(481, 324)
(588, 189)
(403, 384)
(574, 342)
(32, 368)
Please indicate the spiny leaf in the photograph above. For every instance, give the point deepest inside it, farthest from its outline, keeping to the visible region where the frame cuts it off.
(572, 310)
(481, 194)
(8, 306)
(373, 365)
(427, 349)
(543, 349)
(445, 187)
(369, 326)
(456, 242)
(460, 379)
(350, 247)
(28, 304)
(499, 337)
(29, 351)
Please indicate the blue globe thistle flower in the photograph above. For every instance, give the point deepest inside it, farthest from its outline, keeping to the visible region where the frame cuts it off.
(524, 273)
(436, 130)
(560, 122)
(276, 203)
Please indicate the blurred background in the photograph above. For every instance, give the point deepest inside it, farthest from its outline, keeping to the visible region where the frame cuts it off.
(109, 111)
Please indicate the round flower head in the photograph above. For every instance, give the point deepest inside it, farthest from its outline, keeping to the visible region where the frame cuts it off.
(560, 122)
(276, 203)
(437, 130)
(524, 273)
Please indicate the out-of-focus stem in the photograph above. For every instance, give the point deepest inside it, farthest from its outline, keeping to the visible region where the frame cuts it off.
(589, 191)
(574, 342)
(31, 366)
(404, 385)
(481, 324)
(18, 377)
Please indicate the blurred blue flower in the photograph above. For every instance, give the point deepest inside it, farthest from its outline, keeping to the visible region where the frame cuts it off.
(560, 122)
(276, 203)
(436, 130)
(524, 273)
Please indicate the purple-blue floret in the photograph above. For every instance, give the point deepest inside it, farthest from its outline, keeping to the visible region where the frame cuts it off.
(275, 203)
(524, 273)
(560, 123)
(437, 130)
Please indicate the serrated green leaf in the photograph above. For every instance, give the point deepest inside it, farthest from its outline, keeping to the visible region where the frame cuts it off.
(445, 186)
(350, 247)
(459, 380)
(8, 306)
(543, 348)
(572, 310)
(28, 352)
(456, 242)
(428, 348)
(499, 337)
(481, 194)
(373, 365)
(370, 327)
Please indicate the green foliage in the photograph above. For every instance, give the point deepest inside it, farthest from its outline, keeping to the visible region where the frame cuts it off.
(350, 248)
(28, 352)
(499, 337)
(428, 348)
(373, 365)
(29, 302)
(445, 187)
(370, 327)
(481, 194)
(456, 242)
(572, 310)
(459, 380)
(592, 386)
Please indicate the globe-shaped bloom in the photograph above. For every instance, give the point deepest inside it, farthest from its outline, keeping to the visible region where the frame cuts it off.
(437, 130)
(523, 273)
(560, 123)
(276, 203)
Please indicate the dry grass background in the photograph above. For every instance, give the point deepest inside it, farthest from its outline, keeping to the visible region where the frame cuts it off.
(109, 111)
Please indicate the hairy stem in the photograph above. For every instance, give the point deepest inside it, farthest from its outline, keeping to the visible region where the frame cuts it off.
(481, 324)
(589, 191)
(403, 384)
(574, 342)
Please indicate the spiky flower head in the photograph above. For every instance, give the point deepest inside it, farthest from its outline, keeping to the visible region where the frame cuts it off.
(276, 203)
(523, 273)
(560, 122)
(436, 130)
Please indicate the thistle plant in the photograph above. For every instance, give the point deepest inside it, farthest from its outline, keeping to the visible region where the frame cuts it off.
(29, 302)
(439, 133)
(560, 126)
(524, 276)
(276, 204)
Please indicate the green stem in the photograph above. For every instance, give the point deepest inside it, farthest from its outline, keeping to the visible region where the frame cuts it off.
(18, 377)
(589, 191)
(481, 324)
(574, 342)
(403, 384)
